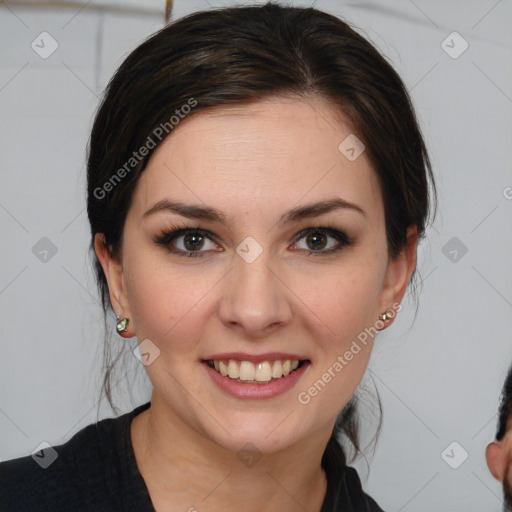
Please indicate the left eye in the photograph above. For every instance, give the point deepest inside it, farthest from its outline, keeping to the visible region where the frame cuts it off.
(321, 240)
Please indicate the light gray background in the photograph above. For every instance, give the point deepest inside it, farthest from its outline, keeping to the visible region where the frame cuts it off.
(439, 375)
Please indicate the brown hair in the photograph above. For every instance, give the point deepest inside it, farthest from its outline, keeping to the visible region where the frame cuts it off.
(239, 55)
(505, 410)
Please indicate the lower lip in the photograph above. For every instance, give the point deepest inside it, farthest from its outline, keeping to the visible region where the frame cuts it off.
(257, 391)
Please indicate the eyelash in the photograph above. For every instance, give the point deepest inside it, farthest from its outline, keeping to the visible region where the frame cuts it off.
(165, 239)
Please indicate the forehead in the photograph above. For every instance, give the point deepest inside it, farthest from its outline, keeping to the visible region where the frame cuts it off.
(274, 150)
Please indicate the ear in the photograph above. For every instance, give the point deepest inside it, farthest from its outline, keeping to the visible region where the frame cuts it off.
(398, 275)
(497, 459)
(114, 273)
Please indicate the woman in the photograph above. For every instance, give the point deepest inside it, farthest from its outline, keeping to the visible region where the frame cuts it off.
(257, 186)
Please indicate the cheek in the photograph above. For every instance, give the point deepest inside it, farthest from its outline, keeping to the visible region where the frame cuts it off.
(164, 300)
(508, 475)
(344, 339)
(342, 301)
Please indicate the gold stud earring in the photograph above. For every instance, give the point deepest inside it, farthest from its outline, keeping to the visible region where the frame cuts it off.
(122, 325)
(385, 316)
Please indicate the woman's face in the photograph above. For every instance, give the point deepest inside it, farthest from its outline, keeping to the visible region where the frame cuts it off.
(285, 260)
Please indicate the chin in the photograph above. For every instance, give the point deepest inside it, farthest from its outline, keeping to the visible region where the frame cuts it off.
(264, 434)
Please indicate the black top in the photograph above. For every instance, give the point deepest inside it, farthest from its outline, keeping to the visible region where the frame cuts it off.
(96, 471)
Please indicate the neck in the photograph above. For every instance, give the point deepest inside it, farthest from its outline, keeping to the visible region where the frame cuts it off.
(183, 470)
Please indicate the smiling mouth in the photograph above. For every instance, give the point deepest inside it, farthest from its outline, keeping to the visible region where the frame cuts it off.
(247, 372)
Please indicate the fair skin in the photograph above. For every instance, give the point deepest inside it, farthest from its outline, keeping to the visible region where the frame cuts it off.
(499, 460)
(253, 163)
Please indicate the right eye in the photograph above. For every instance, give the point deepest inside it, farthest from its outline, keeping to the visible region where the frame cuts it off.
(188, 242)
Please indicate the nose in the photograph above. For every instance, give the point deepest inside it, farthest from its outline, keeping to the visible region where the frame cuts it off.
(255, 298)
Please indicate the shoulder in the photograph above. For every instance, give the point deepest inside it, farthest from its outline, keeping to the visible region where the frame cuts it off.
(77, 475)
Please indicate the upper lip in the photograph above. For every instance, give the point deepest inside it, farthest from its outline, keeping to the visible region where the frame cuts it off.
(269, 356)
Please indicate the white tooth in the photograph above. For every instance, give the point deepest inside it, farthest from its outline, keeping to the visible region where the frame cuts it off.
(247, 371)
(233, 369)
(223, 369)
(295, 364)
(287, 367)
(277, 370)
(263, 372)
(216, 365)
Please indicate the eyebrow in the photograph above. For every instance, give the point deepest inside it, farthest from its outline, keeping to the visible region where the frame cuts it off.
(297, 214)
